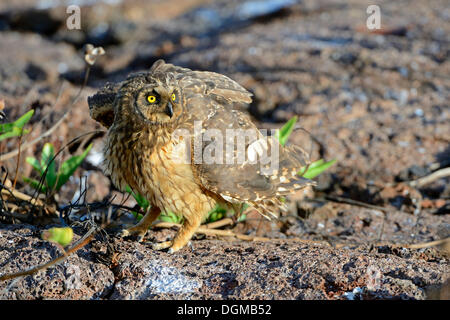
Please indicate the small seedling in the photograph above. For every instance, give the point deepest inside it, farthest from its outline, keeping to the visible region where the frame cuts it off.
(285, 131)
(316, 168)
(63, 236)
(53, 180)
(15, 129)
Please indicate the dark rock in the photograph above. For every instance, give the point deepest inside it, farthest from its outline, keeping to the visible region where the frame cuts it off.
(216, 269)
(76, 278)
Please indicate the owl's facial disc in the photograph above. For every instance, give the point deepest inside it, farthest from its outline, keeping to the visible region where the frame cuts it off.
(156, 105)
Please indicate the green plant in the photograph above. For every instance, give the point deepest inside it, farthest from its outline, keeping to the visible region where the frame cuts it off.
(285, 131)
(53, 180)
(170, 217)
(216, 214)
(15, 129)
(316, 167)
(140, 199)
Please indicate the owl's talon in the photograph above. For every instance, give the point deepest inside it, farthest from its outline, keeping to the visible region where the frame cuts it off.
(162, 245)
(123, 233)
(172, 250)
(140, 234)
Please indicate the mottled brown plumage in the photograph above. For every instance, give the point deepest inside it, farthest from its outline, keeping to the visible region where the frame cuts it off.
(144, 116)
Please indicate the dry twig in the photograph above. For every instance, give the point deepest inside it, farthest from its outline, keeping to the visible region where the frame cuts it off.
(427, 244)
(219, 223)
(356, 203)
(442, 173)
(21, 196)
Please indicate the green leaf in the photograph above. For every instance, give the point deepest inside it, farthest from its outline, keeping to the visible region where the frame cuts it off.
(15, 126)
(283, 134)
(35, 184)
(23, 120)
(63, 236)
(169, 217)
(6, 127)
(35, 164)
(15, 132)
(69, 166)
(48, 152)
(316, 168)
(140, 199)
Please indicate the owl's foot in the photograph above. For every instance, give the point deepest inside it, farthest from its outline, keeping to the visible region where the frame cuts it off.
(140, 229)
(162, 245)
(169, 244)
(182, 237)
(133, 231)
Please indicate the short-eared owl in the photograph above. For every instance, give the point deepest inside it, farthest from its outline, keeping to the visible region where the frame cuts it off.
(169, 135)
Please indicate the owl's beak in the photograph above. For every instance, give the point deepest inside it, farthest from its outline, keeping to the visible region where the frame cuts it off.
(169, 109)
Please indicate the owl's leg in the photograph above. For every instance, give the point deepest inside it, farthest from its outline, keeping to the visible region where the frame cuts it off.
(140, 229)
(183, 235)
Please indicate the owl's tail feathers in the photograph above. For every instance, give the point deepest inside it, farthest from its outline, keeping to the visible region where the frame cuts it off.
(270, 208)
(285, 185)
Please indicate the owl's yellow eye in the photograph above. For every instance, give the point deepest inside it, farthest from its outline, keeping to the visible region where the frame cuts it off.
(174, 97)
(151, 99)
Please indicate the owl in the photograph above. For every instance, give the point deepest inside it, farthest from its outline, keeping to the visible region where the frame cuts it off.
(178, 137)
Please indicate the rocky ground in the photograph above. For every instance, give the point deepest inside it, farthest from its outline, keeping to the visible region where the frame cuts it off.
(377, 102)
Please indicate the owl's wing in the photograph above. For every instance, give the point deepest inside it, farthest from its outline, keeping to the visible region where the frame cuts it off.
(215, 85)
(211, 84)
(242, 165)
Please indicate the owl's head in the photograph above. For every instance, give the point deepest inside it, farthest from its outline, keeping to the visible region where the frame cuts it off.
(143, 99)
(156, 103)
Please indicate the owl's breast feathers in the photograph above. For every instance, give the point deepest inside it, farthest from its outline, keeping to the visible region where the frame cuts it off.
(156, 170)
